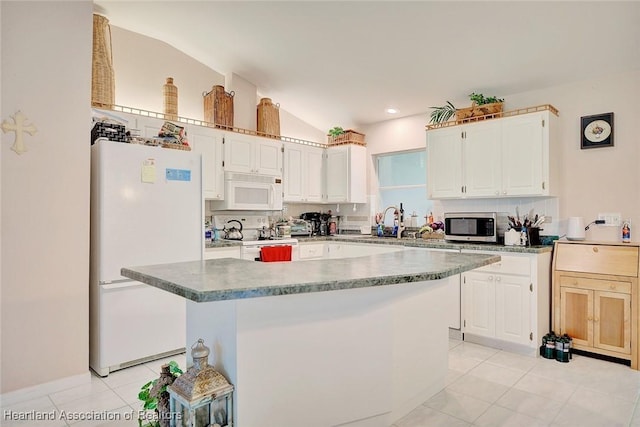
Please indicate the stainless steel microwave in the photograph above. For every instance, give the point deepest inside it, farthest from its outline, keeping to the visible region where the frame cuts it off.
(475, 226)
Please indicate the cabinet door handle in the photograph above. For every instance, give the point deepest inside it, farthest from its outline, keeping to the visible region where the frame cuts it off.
(612, 286)
(490, 278)
(497, 278)
(596, 319)
(595, 249)
(589, 318)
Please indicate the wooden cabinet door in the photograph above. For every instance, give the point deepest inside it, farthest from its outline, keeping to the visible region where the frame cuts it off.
(576, 315)
(612, 321)
(513, 309)
(479, 304)
(444, 163)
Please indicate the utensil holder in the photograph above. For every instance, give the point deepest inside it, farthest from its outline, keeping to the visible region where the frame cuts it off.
(533, 234)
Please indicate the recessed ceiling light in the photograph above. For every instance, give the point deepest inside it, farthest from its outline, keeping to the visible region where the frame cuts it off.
(391, 110)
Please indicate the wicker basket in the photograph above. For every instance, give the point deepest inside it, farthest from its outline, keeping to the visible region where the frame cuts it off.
(218, 107)
(268, 118)
(479, 112)
(102, 75)
(170, 94)
(348, 137)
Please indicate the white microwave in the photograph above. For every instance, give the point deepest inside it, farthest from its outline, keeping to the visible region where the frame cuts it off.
(243, 191)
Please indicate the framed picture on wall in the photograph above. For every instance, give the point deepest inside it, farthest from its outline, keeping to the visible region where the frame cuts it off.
(596, 131)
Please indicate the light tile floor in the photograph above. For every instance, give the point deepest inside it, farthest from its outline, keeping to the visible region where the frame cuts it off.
(485, 387)
(489, 387)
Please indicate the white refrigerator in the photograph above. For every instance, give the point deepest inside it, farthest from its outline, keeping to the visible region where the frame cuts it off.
(146, 208)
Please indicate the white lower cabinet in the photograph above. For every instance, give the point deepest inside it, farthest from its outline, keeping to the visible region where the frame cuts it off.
(507, 301)
(310, 251)
(217, 253)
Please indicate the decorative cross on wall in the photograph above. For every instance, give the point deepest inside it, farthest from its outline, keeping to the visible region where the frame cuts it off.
(18, 126)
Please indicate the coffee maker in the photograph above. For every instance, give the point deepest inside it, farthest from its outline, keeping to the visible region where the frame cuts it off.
(319, 222)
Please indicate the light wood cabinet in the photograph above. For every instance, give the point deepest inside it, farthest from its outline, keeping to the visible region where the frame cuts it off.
(595, 297)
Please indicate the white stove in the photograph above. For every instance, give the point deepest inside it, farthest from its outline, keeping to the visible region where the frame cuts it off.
(251, 226)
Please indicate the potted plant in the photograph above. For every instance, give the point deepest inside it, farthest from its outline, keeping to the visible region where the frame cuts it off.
(150, 395)
(442, 114)
(337, 135)
(480, 99)
(335, 131)
(482, 107)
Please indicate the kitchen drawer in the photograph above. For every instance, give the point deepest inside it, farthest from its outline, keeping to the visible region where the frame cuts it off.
(595, 284)
(509, 265)
(311, 251)
(598, 259)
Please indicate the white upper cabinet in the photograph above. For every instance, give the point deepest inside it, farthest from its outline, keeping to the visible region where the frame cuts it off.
(303, 175)
(208, 143)
(464, 161)
(506, 157)
(346, 174)
(481, 163)
(525, 155)
(251, 154)
(444, 163)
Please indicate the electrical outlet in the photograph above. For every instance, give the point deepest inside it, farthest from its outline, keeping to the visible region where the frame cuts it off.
(610, 219)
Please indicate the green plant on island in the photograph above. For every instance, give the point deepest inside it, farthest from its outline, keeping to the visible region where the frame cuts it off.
(442, 114)
(480, 99)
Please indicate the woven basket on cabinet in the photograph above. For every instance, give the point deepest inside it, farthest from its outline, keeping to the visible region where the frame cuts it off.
(102, 75)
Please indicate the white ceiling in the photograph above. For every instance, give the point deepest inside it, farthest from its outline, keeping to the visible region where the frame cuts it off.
(342, 63)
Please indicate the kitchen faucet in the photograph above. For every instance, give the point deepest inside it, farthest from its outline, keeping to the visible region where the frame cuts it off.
(398, 216)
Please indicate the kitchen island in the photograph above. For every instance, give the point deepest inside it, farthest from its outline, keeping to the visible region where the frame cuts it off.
(358, 341)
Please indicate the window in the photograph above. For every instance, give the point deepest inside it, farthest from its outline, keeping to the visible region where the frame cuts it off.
(402, 177)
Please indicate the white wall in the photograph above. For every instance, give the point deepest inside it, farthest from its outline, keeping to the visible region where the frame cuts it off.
(592, 181)
(142, 65)
(46, 74)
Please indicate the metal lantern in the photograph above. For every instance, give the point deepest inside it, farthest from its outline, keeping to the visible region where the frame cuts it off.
(201, 396)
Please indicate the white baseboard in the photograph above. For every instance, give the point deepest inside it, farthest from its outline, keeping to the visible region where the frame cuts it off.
(39, 390)
(455, 334)
(501, 345)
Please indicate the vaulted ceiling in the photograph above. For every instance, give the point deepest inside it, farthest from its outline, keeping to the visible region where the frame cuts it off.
(342, 63)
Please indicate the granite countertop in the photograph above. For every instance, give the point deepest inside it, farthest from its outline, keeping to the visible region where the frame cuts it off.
(416, 243)
(230, 278)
